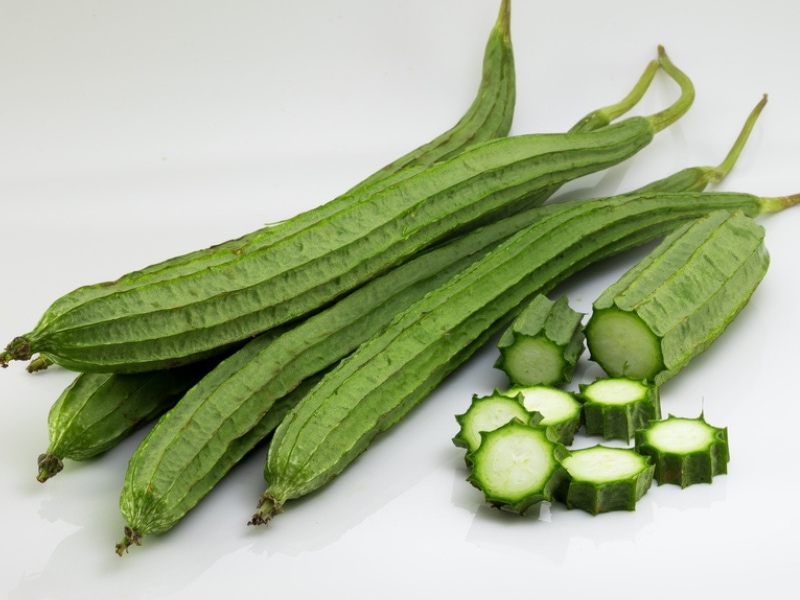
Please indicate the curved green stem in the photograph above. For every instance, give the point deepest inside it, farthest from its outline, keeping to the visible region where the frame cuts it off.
(663, 119)
(603, 116)
(719, 173)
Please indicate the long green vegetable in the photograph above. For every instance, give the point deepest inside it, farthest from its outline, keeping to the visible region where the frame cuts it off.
(387, 376)
(235, 400)
(173, 316)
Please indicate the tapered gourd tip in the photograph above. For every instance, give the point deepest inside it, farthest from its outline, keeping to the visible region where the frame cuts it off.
(268, 509)
(131, 538)
(49, 466)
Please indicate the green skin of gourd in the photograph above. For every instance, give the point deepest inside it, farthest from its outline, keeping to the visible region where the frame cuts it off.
(682, 466)
(675, 302)
(171, 316)
(543, 344)
(187, 318)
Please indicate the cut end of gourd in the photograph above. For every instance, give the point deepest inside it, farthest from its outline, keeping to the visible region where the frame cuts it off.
(49, 466)
(623, 345)
(268, 509)
(517, 466)
(131, 538)
(561, 411)
(533, 361)
(617, 407)
(686, 451)
(604, 479)
(486, 413)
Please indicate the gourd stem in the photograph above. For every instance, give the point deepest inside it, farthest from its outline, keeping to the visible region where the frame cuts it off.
(726, 165)
(49, 466)
(268, 508)
(18, 349)
(130, 538)
(603, 116)
(773, 205)
(668, 116)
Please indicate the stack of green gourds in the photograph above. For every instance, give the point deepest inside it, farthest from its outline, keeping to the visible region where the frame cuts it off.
(323, 331)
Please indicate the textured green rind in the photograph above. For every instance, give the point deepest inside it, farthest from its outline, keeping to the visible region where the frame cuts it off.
(185, 317)
(600, 496)
(499, 453)
(486, 413)
(687, 291)
(546, 332)
(98, 410)
(378, 384)
(685, 468)
(618, 420)
(562, 415)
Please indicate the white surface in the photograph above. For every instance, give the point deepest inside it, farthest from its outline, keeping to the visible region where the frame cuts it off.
(134, 131)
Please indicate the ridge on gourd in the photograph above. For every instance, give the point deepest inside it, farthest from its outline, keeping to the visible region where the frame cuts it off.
(238, 395)
(177, 320)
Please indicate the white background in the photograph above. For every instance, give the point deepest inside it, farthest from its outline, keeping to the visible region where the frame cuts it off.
(134, 131)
